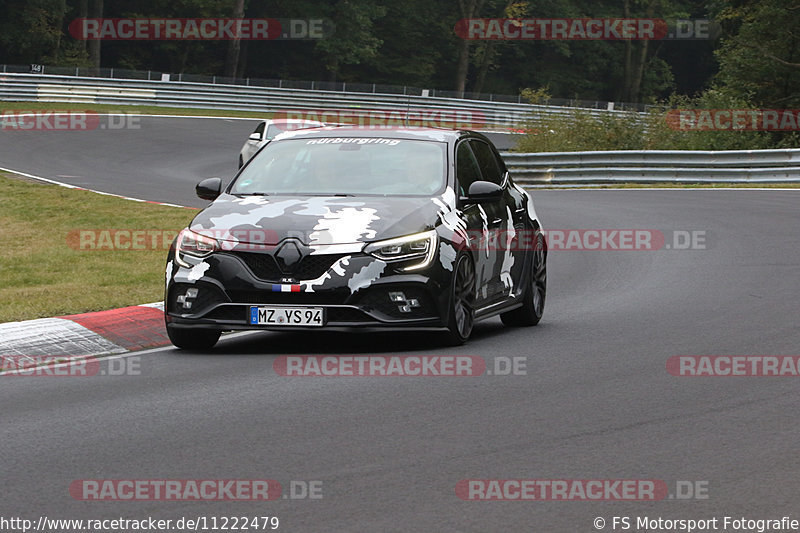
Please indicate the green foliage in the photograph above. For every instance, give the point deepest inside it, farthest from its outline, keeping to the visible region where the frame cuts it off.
(353, 40)
(579, 130)
(759, 59)
(30, 28)
(412, 42)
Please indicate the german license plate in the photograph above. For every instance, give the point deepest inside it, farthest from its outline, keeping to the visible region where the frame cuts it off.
(287, 316)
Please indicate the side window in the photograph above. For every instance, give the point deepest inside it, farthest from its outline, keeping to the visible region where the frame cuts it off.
(490, 169)
(273, 131)
(260, 130)
(467, 170)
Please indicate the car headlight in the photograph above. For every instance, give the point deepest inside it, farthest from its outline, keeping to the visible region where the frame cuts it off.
(418, 249)
(195, 245)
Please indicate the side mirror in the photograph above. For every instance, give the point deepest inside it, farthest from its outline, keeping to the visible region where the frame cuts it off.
(484, 190)
(209, 188)
(255, 137)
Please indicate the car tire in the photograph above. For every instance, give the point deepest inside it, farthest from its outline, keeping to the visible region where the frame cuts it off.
(193, 338)
(461, 317)
(533, 300)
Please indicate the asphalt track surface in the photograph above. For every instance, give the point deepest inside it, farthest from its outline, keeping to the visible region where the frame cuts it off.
(596, 401)
(161, 158)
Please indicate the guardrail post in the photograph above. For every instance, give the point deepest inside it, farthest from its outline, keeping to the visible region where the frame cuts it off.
(373, 88)
(213, 79)
(111, 74)
(148, 75)
(248, 82)
(312, 85)
(344, 87)
(76, 72)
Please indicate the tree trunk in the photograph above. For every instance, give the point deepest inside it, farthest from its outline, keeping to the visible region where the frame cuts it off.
(333, 70)
(242, 60)
(94, 45)
(636, 82)
(635, 88)
(623, 94)
(463, 65)
(62, 8)
(83, 12)
(488, 54)
(232, 58)
(468, 9)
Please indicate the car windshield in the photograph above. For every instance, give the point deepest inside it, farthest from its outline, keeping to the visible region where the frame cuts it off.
(346, 166)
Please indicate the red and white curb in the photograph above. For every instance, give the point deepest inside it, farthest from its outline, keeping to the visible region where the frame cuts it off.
(115, 331)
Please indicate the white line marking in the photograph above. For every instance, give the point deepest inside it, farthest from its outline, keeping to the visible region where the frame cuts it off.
(68, 186)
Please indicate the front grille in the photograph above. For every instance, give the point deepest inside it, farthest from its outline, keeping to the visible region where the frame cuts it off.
(264, 266)
(274, 297)
(377, 299)
(313, 266)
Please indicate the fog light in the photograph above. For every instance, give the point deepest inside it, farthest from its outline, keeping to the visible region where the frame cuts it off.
(185, 300)
(405, 304)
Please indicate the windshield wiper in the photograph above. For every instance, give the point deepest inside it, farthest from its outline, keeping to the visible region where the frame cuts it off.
(252, 194)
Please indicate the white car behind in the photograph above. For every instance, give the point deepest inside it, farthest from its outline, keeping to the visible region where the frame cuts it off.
(267, 130)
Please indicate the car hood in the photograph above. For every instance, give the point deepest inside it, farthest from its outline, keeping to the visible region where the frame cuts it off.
(318, 221)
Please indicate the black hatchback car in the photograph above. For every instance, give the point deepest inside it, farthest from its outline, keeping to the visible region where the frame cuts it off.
(342, 227)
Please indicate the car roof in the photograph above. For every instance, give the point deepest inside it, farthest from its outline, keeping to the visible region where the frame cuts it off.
(423, 134)
(291, 121)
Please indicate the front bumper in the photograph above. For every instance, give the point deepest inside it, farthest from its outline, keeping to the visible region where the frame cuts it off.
(355, 290)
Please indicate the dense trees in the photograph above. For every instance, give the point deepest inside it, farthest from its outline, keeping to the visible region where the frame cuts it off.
(412, 42)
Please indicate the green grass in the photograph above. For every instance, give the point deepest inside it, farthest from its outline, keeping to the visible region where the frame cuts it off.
(43, 274)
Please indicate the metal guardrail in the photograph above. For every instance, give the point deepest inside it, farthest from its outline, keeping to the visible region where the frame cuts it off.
(474, 114)
(652, 166)
(756, 166)
(337, 86)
